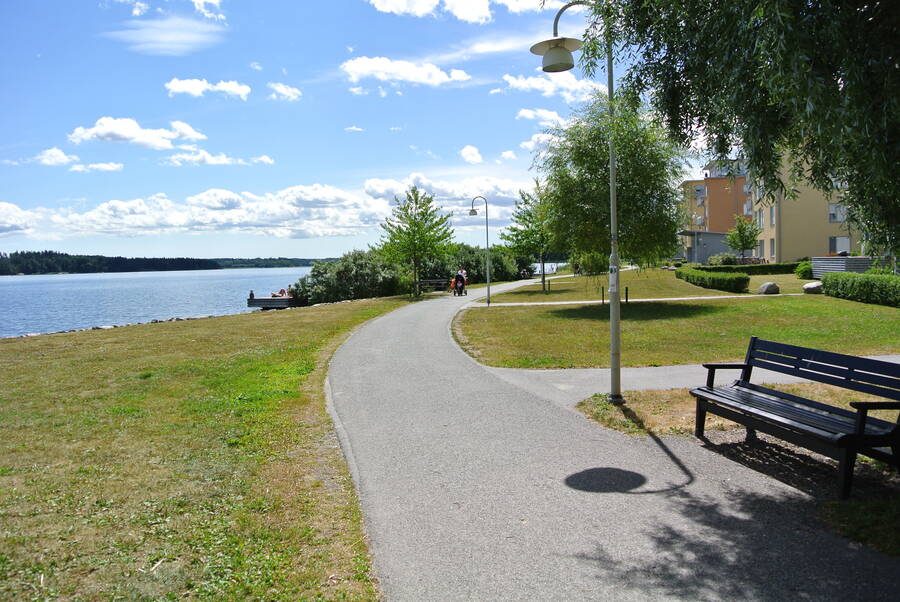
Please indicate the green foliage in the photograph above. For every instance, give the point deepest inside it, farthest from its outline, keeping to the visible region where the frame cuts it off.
(815, 84)
(356, 275)
(884, 270)
(590, 264)
(723, 259)
(743, 236)
(415, 233)
(576, 185)
(734, 282)
(52, 262)
(804, 270)
(528, 236)
(865, 288)
(504, 263)
(266, 262)
(753, 269)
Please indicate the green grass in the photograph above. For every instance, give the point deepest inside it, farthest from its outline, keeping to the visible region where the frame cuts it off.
(677, 332)
(187, 459)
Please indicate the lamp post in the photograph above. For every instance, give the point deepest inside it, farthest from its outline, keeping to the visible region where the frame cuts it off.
(557, 53)
(487, 244)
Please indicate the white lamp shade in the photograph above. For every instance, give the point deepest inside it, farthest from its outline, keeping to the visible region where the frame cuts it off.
(558, 59)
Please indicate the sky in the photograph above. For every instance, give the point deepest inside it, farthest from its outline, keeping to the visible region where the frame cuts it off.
(231, 128)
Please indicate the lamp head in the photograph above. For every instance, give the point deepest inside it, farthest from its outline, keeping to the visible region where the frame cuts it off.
(473, 211)
(557, 53)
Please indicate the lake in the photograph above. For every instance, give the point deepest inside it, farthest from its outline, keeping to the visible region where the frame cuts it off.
(51, 303)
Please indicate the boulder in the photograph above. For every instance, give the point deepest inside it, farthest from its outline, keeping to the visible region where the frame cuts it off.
(813, 288)
(768, 288)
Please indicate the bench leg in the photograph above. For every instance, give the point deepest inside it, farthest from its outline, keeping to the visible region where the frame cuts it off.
(751, 436)
(845, 473)
(700, 421)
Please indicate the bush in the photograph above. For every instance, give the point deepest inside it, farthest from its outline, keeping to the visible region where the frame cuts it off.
(723, 259)
(732, 282)
(882, 289)
(752, 269)
(356, 275)
(804, 270)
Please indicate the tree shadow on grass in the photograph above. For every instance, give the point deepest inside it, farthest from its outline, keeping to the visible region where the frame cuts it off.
(743, 545)
(639, 311)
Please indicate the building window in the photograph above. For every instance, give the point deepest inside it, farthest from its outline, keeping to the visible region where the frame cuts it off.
(760, 248)
(836, 244)
(772, 247)
(759, 218)
(837, 213)
(772, 216)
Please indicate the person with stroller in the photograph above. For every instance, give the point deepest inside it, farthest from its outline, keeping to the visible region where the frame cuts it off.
(460, 281)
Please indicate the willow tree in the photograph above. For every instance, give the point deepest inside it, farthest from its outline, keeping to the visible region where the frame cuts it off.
(809, 85)
(529, 232)
(575, 167)
(415, 233)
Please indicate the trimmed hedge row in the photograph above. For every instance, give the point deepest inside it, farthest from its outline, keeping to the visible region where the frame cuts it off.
(865, 288)
(754, 268)
(735, 283)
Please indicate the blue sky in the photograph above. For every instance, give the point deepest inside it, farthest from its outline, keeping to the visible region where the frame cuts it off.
(268, 128)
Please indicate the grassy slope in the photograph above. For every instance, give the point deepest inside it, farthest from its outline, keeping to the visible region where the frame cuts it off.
(668, 333)
(179, 459)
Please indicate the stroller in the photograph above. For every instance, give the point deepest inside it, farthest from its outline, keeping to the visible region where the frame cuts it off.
(459, 286)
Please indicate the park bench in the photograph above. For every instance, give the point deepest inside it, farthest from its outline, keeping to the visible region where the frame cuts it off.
(434, 285)
(834, 432)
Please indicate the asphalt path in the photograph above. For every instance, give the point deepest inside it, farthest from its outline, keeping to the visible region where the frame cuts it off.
(473, 487)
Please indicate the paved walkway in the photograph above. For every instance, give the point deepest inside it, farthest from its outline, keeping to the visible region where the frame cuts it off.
(477, 488)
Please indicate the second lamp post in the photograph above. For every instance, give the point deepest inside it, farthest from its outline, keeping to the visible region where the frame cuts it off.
(487, 243)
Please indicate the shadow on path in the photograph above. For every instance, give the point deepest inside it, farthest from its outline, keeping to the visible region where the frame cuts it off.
(639, 311)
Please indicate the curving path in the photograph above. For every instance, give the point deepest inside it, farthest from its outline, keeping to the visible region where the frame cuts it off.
(474, 488)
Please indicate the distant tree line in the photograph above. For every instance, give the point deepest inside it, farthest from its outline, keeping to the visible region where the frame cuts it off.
(267, 262)
(52, 262)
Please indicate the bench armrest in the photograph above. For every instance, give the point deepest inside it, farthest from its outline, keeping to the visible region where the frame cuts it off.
(875, 405)
(711, 374)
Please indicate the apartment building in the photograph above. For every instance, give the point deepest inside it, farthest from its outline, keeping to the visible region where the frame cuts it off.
(810, 225)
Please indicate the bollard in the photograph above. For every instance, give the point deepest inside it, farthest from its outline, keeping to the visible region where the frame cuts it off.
(602, 297)
(626, 294)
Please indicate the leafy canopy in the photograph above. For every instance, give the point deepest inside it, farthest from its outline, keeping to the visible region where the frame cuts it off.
(415, 233)
(576, 187)
(528, 234)
(744, 234)
(812, 85)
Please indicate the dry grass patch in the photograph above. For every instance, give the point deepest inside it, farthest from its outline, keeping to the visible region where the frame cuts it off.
(179, 459)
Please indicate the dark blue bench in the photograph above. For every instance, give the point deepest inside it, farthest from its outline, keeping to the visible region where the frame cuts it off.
(834, 432)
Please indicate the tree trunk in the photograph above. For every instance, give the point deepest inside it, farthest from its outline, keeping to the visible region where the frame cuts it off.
(543, 275)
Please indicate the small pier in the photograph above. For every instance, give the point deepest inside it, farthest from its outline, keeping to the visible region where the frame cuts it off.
(269, 302)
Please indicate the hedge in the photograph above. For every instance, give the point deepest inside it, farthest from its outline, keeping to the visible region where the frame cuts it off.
(865, 288)
(754, 268)
(735, 283)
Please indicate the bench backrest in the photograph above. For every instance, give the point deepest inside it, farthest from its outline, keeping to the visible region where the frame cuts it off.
(861, 374)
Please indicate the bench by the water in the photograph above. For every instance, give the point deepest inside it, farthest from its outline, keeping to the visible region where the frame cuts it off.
(434, 285)
(834, 432)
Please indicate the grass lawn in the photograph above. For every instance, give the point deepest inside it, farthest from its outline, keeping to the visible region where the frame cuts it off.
(651, 283)
(182, 459)
(673, 332)
(873, 519)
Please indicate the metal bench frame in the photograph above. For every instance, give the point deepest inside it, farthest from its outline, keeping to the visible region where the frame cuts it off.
(834, 432)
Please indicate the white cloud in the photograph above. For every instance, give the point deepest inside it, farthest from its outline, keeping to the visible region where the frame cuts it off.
(358, 91)
(54, 156)
(139, 8)
(8, 162)
(538, 142)
(350, 49)
(395, 128)
(417, 8)
(97, 167)
(216, 198)
(256, 66)
(111, 129)
(198, 87)
(354, 128)
(564, 84)
(194, 155)
(266, 159)
(545, 117)
(169, 36)
(508, 155)
(495, 91)
(14, 220)
(470, 154)
(470, 11)
(200, 7)
(385, 69)
(283, 92)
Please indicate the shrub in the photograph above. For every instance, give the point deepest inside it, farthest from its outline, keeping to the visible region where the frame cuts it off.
(356, 275)
(804, 270)
(752, 269)
(882, 289)
(732, 282)
(723, 259)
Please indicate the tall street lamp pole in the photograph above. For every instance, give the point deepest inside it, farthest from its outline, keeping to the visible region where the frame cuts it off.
(487, 244)
(557, 53)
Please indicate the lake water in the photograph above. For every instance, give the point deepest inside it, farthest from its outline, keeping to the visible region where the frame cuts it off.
(40, 304)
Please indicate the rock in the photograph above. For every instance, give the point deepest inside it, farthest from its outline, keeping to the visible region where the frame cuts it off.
(768, 288)
(813, 288)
